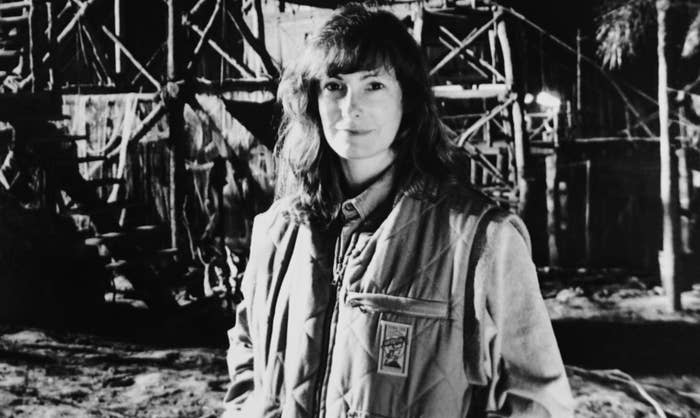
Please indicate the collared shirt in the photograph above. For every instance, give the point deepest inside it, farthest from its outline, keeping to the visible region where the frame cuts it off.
(361, 215)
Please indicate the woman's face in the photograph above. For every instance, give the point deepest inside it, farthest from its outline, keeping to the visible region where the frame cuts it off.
(360, 114)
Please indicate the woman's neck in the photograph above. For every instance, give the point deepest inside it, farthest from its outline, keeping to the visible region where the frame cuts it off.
(359, 174)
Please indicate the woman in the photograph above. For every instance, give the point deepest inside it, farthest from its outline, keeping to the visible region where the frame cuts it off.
(381, 285)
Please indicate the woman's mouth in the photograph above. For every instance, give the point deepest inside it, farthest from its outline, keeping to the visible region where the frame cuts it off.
(355, 131)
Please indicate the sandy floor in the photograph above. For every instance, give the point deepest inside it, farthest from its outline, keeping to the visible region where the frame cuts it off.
(69, 374)
(74, 376)
(632, 302)
(44, 375)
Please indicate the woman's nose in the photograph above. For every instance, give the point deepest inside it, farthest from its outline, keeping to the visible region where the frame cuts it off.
(349, 105)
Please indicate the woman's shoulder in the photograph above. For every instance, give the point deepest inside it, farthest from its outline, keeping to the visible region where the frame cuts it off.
(452, 199)
(272, 224)
(465, 205)
(494, 219)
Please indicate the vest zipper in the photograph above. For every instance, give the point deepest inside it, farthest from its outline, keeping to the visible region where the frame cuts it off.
(329, 331)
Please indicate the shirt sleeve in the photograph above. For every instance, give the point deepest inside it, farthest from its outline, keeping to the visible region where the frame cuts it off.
(239, 359)
(239, 356)
(526, 372)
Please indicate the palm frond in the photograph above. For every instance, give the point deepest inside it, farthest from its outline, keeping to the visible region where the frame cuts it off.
(692, 38)
(620, 26)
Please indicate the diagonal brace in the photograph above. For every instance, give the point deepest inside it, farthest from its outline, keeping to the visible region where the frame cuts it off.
(131, 58)
(196, 29)
(484, 119)
(205, 36)
(466, 42)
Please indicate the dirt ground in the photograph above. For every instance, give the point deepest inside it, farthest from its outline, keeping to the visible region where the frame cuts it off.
(77, 374)
(80, 376)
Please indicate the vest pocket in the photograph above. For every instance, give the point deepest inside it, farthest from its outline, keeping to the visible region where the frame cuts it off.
(394, 341)
(378, 302)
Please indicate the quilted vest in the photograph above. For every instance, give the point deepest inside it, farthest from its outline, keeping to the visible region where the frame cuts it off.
(399, 336)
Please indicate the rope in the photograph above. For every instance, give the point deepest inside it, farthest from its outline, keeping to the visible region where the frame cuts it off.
(619, 376)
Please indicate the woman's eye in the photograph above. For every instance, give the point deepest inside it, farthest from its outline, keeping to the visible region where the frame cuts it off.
(376, 85)
(332, 86)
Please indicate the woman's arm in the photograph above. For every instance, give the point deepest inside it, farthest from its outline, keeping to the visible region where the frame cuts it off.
(239, 356)
(239, 359)
(527, 376)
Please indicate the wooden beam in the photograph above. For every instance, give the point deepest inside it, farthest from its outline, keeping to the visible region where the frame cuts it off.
(465, 43)
(10, 20)
(238, 66)
(550, 199)
(171, 67)
(522, 153)
(196, 7)
(61, 37)
(160, 49)
(587, 214)
(117, 33)
(131, 58)
(76, 18)
(205, 36)
(257, 45)
(485, 119)
(175, 108)
(472, 64)
(146, 125)
(96, 54)
(88, 62)
(14, 5)
(51, 29)
(669, 256)
(34, 67)
(417, 17)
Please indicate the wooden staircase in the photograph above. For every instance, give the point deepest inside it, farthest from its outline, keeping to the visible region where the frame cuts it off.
(136, 255)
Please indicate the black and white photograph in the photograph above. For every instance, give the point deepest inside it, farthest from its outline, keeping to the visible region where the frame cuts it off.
(350, 209)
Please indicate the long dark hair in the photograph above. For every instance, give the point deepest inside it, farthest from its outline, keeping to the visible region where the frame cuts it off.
(357, 38)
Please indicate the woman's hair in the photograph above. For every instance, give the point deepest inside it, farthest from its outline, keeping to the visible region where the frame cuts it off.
(358, 38)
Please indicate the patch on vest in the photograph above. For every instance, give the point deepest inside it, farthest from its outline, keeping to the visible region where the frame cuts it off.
(394, 348)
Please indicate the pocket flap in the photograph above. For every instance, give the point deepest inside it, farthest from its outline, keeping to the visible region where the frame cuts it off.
(378, 302)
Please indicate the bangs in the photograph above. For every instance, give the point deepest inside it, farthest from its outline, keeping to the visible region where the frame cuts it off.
(344, 55)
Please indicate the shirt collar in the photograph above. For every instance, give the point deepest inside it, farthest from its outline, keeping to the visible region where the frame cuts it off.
(366, 202)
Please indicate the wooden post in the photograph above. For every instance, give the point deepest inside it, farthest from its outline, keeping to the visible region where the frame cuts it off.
(118, 34)
(685, 185)
(34, 57)
(51, 40)
(236, 16)
(551, 182)
(172, 23)
(522, 172)
(175, 108)
(255, 21)
(521, 146)
(587, 215)
(417, 13)
(502, 161)
(224, 34)
(578, 71)
(668, 257)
